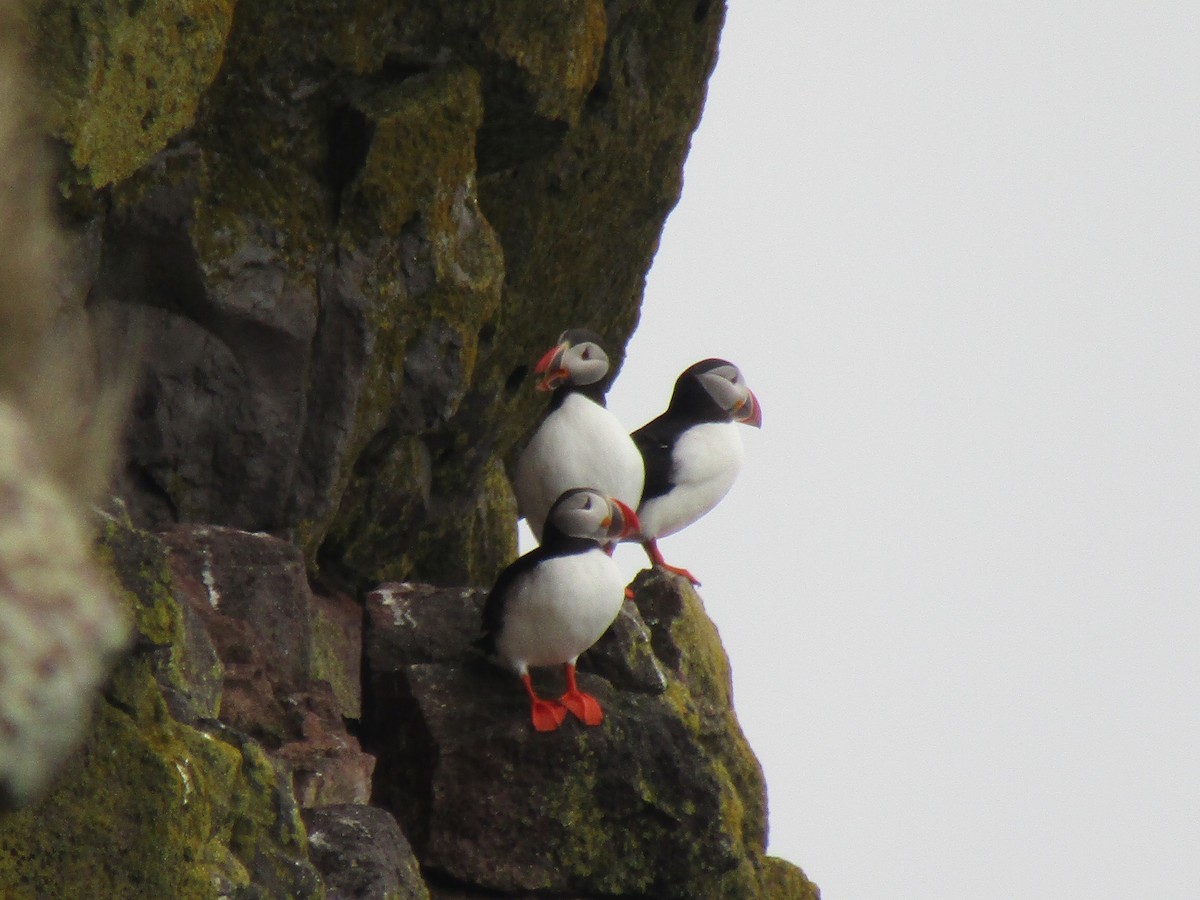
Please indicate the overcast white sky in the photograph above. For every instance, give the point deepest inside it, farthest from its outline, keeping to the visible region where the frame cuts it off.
(955, 247)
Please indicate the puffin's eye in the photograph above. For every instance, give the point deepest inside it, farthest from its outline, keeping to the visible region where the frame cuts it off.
(587, 353)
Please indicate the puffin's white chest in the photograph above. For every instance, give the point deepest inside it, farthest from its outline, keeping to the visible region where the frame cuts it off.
(705, 462)
(560, 609)
(580, 444)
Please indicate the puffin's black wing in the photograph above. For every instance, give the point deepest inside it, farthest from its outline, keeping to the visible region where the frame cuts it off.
(656, 441)
(493, 607)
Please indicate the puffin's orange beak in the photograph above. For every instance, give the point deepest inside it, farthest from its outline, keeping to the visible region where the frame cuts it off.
(549, 368)
(623, 522)
(749, 412)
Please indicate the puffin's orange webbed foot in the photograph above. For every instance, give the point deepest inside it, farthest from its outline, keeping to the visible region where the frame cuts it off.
(583, 706)
(683, 573)
(546, 715)
(651, 548)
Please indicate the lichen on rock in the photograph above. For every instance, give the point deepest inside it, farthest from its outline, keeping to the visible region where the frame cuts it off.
(665, 799)
(343, 231)
(153, 806)
(126, 78)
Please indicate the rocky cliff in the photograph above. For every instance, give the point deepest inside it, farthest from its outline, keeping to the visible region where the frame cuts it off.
(332, 235)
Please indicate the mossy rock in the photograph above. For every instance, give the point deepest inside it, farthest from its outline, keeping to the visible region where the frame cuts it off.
(664, 799)
(355, 225)
(155, 809)
(784, 881)
(686, 641)
(125, 78)
(152, 807)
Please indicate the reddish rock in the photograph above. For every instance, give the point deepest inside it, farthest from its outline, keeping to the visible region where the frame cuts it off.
(289, 664)
(327, 763)
(252, 591)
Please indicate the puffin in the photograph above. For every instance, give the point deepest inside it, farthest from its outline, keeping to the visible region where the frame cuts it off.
(692, 452)
(579, 441)
(554, 602)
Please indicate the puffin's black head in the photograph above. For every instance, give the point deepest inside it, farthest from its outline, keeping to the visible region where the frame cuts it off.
(588, 514)
(715, 390)
(578, 358)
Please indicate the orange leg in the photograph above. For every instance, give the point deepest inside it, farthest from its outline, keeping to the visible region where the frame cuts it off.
(546, 714)
(651, 548)
(583, 706)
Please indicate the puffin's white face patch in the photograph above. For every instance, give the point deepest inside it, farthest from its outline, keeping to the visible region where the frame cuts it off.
(587, 362)
(725, 385)
(582, 513)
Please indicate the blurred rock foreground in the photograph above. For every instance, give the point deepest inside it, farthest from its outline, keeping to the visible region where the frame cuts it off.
(337, 233)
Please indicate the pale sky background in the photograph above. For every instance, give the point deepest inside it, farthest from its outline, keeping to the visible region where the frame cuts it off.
(955, 248)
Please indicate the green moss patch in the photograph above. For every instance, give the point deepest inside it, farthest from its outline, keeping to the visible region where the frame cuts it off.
(151, 807)
(125, 78)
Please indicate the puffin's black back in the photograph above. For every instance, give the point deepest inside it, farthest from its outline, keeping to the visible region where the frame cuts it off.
(554, 544)
(690, 405)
